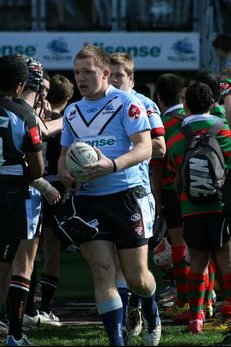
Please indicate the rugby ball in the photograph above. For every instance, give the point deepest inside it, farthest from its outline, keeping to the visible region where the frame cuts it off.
(77, 155)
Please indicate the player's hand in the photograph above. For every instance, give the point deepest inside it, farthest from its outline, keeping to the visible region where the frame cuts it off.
(102, 167)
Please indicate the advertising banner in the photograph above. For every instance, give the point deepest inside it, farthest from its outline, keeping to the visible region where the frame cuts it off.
(151, 51)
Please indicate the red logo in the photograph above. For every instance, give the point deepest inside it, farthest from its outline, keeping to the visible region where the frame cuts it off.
(134, 111)
(35, 137)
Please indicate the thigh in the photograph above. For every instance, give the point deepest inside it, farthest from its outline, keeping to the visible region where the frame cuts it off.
(133, 261)
(195, 232)
(171, 210)
(99, 254)
(13, 215)
(24, 258)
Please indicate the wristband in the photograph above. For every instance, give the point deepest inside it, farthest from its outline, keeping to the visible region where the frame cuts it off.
(114, 165)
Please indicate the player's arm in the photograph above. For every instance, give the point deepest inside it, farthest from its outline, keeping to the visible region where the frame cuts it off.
(158, 147)
(35, 164)
(142, 150)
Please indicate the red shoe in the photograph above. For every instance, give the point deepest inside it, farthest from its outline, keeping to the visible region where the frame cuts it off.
(195, 326)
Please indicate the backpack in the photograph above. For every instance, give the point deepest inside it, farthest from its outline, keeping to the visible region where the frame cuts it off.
(203, 170)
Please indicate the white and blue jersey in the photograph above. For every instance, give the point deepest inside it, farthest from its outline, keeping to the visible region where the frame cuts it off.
(107, 124)
(157, 129)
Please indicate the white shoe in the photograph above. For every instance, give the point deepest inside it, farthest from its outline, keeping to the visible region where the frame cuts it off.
(29, 321)
(152, 338)
(134, 321)
(49, 318)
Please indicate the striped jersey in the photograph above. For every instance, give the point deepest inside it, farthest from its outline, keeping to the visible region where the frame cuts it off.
(108, 124)
(176, 148)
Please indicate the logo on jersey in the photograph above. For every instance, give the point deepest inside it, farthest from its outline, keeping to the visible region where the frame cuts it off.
(101, 141)
(35, 137)
(134, 111)
(4, 122)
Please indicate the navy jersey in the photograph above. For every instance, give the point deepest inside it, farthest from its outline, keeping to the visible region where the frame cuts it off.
(19, 134)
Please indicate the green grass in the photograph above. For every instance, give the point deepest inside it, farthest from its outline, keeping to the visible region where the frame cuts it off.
(94, 335)
(76, 284)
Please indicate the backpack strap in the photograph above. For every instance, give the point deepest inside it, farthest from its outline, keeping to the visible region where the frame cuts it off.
(216, 127)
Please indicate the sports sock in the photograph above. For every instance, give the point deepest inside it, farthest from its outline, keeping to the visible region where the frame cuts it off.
(111, 313)
(18, 292)
(49, 285)
(180, 271)
(123, 292)
(134, 300)
(30, 306)
(196, 285)
(150, 310)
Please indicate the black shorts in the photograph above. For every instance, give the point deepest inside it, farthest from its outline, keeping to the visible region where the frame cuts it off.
(171, 209)
(16, 215)
(206, 232)
(119, 216)
(8, 251)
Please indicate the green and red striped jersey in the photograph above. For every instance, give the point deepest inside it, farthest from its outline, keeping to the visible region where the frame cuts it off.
(176, 149)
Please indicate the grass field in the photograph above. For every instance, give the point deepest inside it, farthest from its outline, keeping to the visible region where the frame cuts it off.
(76, 284)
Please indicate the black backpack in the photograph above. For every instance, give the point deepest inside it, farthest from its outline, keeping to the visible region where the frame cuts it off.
(203, 170)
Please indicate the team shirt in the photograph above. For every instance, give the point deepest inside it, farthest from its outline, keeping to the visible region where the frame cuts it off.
(172, 119)
(219, 112)
(176, 148)
(157, 129)
(19, 133)
(107, 124)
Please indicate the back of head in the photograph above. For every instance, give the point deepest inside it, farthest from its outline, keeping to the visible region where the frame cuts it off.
(101, 58)
(61, 89)
(13, 70)
(212, 80)
(168, 88)
(198, 98)
(35, 75)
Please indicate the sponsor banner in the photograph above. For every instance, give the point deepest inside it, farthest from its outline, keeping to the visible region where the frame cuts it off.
(151, 51)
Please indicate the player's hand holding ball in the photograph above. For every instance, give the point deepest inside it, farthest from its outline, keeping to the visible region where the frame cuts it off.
(85, 162)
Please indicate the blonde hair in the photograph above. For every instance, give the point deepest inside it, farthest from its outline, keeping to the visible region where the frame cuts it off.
(101, 58)
(124, 60)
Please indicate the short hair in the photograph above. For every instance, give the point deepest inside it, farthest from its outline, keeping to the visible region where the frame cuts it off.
(223, 42)
(61, 88)
(13, 70)
(199, 98)
(101, 58)
(123, 59)
(169, 87)
(212, 80)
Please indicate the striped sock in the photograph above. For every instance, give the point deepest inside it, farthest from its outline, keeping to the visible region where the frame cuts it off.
(49, 285)
(196, 285)
(180, 272)
(17, 297)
